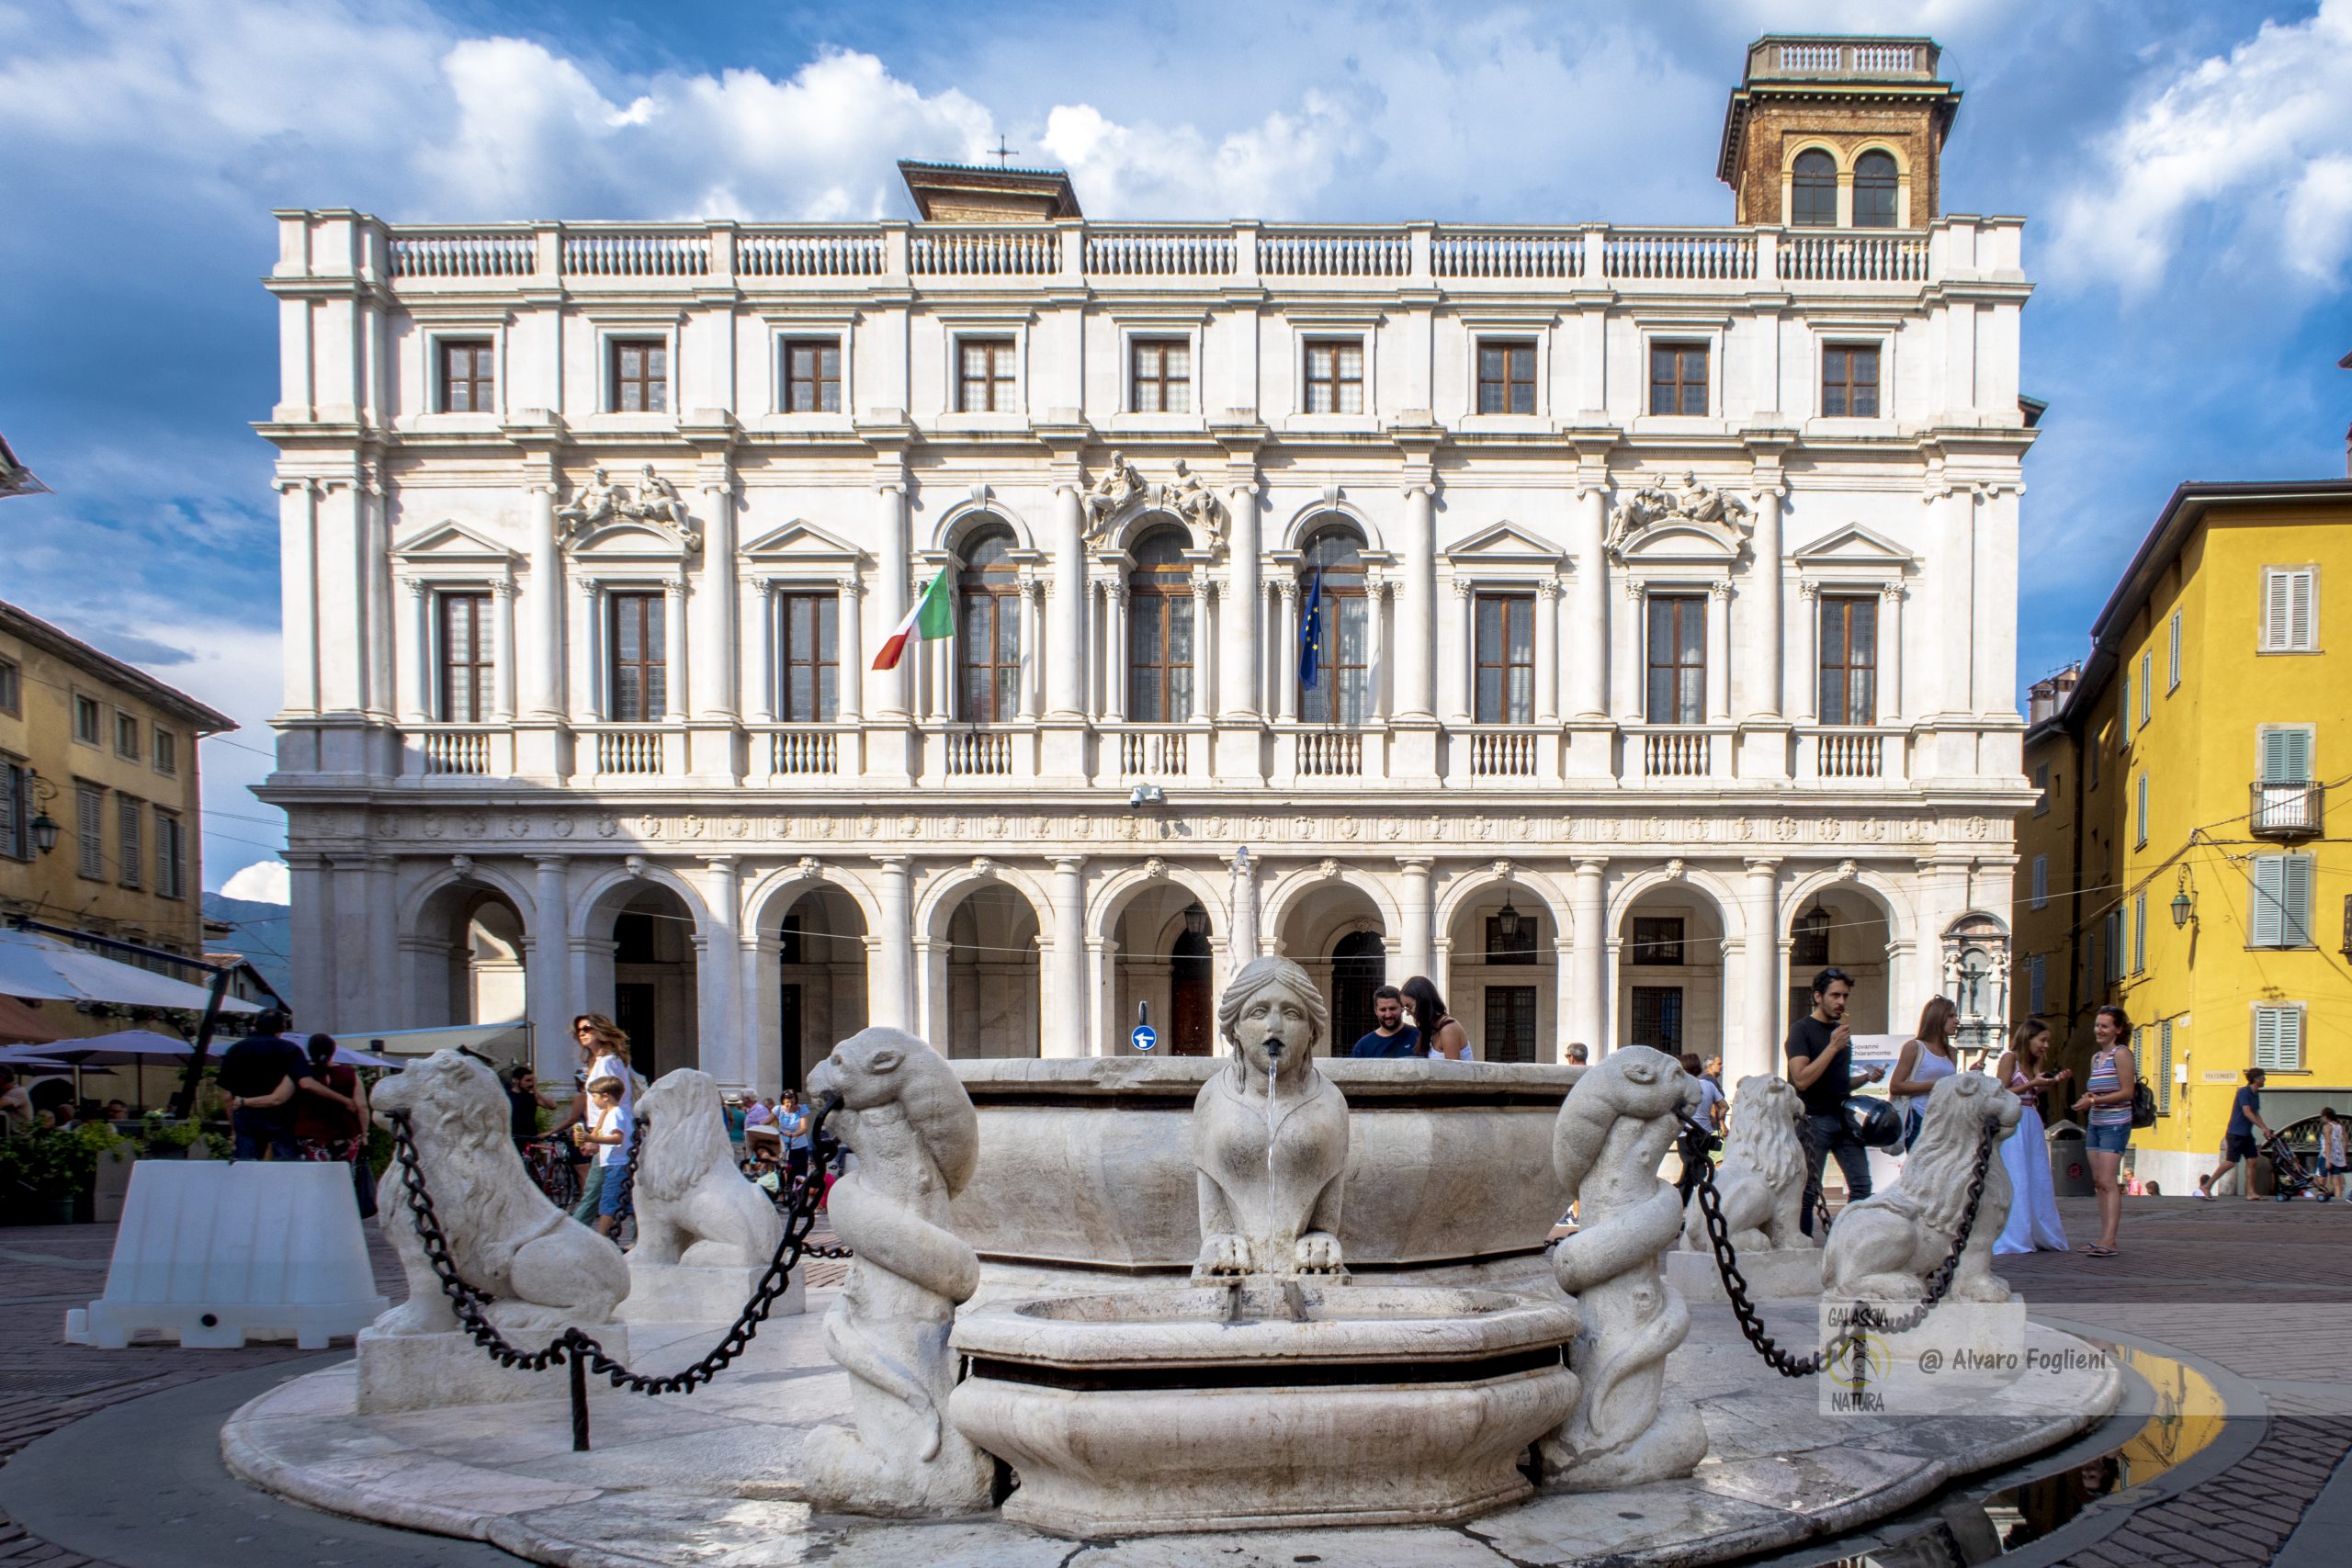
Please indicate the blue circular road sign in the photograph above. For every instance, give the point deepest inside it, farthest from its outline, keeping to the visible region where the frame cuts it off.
(1144, 1038)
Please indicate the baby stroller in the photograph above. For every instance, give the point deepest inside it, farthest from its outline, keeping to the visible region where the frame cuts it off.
(2293, 1180)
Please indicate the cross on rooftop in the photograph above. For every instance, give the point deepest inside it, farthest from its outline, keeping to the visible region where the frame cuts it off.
(1000, 153)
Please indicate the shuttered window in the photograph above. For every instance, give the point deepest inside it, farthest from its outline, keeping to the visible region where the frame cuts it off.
(2278, 1039)
(2287, 754)
(2124, 730)
(2147, 685)
(2037, 982)
(2164, 1069)
(2139, 934)
(2139, 815)
(2282, 901)
(90, 831)
(2041, 881)
(131, 819)
(2289, 613)
(2172, 640)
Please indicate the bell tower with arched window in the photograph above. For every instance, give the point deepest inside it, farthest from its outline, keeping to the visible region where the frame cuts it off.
(1837, 132)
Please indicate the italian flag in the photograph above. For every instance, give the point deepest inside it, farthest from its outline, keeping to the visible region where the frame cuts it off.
(932, 616)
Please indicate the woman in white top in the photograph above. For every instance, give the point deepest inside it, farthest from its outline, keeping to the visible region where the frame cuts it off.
(1442, 1036)
(2033, 1224)
(1927, 1057)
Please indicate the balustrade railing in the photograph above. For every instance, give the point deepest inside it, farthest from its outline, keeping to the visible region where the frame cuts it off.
(1677, 753)
(464, 752)
(457, 254)
(804, 752)
(979, 753)
(1666, 253)
(1354, 252)
(1507, 254)
(1845, 256)
(1329, 754)
(635, 254)
(838, 254)
(2288, 810)
(1848, 754)
(1502, 753)
(629, 753)
(1154, 753)
(954, 248)
(1192, 252)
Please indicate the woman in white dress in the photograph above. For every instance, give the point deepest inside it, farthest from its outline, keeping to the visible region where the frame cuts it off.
(1926, 1057)
(2033, 1205)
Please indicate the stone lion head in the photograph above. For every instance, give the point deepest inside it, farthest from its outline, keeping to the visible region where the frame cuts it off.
(451, 1097)
(1935, 1169)
(1274, 1017)
(877, 1070)
(1765, 1117)
(685, 1133)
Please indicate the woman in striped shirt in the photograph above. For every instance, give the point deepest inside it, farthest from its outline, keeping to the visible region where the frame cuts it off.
(2106, 1096)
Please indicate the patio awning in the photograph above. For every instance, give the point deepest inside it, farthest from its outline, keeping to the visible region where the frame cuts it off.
(21, 1022)
(130, 1045)
(39, 967)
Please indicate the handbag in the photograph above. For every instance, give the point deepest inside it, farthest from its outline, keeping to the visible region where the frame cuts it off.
(1874, 1123)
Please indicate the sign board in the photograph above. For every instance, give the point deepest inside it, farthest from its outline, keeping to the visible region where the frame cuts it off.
(1144, 1038)
(2226, 1075)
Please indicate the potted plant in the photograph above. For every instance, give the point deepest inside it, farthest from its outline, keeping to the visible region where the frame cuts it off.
(41, 1175)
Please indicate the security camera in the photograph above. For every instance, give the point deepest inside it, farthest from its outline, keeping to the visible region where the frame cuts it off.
(1146, 795)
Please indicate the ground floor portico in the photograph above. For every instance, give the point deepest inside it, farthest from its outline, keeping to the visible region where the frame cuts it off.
(747, 941)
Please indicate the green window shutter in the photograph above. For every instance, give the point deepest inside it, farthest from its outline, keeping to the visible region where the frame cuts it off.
(2164, 1069)
(2269, 900)
(2124, 730)
(2287, 754)
(2139, 934)
(2173, 636)
(2278, 1039)
(2295, 899)
(2147, 685)
(2278, 591)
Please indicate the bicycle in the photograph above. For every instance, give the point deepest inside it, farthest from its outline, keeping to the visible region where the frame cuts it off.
(548, 1159)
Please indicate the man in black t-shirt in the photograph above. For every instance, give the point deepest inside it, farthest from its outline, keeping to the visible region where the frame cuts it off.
(260, 1074)
(1821, 1068)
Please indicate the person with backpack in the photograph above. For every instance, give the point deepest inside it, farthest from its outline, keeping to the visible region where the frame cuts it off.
(2110, 1097)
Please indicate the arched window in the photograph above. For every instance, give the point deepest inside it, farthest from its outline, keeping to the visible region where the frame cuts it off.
(1341, 691)
(988, 626)
(1160, 630)
(1813, 192)
(1874, 191)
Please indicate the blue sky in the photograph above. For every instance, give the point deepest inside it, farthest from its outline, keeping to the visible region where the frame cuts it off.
(2187, 169)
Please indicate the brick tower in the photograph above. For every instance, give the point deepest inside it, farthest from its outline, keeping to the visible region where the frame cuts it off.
(1837, 132)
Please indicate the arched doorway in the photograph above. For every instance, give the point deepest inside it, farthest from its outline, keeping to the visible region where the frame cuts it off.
(1502, 978)
(466, 958)
(1843, 927)
(1162, 969)
(648, 979)
(820, 980)
(1358, 967)
(991, 975)
(1334, 932)
(1671, 972)
(1192, 1002)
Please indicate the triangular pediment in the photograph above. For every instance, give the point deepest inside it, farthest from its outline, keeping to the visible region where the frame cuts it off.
(1856, 546)
(798, 541)
(449, 541)
(1505, 542)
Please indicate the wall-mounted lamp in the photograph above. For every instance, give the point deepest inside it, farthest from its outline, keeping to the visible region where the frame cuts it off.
(2184, 900)
(43, 827)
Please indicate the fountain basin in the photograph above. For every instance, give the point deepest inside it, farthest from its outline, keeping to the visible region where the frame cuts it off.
(1086, 1180)
(1151, 1410)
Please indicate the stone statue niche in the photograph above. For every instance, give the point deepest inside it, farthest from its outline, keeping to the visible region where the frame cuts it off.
(1613, 1130)
(906, 1116)
(1270, 1134)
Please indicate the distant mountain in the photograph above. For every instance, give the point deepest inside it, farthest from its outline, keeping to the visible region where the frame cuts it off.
(262, 933)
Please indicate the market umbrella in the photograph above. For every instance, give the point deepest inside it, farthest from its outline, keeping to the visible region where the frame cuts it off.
(41, 967)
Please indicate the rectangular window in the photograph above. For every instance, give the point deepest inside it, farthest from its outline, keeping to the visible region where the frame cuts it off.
(811, 675)
(640, 375)
(1335, 375)
(1160, 650)
(2278, 1039)
(130, 819)
(2282, 901)
(87, 719)
(1678, 659)
(2286, 753)
(984, 375)
(465, 658)
(2172, 644)
(126, 734)
(987, 648)
(16, 820)
(1678, 378)
(171, 855)
(90, 831)
(2147, 685)
(812, 376)
(11, 687)
(1510, 1023)
(1848, 660)
(2041, 789)
(2289, 610)
(1850, 382)
(1505, 377)
(1160, 375)
(2140, 816)
(2041, 882)
(2037, 984)
(2139, 934)
(1343, 662)
(1657, 939)
(469, 376)
(1657, 1017)
(639, 670)
(167, 751)
(1506, 658)
(2114, 945)
(2164, 1069)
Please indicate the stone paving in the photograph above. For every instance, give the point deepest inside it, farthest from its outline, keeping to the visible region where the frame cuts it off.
(2261, 1290)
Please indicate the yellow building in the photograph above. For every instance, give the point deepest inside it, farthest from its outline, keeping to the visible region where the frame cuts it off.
(2183, 862)
(100, 793)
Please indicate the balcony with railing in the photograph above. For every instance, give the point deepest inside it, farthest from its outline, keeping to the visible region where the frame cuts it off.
(460, 751)
(621, 753)
(2295, 810)
(1309, 755)
(797, 751)
(1841, 755)
(1682, 754)
(1152, 753)
(1510, 753)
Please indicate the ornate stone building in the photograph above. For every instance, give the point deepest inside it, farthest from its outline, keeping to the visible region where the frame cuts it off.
(1661, 583)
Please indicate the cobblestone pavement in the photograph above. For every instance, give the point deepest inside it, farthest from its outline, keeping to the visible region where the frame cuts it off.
(2263, 1289)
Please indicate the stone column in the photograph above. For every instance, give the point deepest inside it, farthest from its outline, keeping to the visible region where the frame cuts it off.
(1114, 654)
(1241, 936)
(767, 694)
(1890, 654)
(1753, 1051)
(546, 981)
(1547, 653)
(725, 1051)
(1066, 638)
(1205, 671)
(717, 691)
(1632, 672)
(673, 648)
(541, 657)
(1804, 679)
(1719, 652)
(1413, 910)
(1287, 667)
(298, 533)
(1245, 659)
(1765, 639)
(1564, 985)
(1063, 1001)
(501, 701)
(1587, 1003)
(1376, 645)
(885, 690)
(1453, 655)
(850, 692)
(418, 707)
(889, 1001)
(1417, 605)
(1588, 646)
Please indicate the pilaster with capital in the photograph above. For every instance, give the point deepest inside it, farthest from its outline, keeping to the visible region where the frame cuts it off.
(1417, 605)
(674, 646)
(298, 592)
(503, 653)
(1453, 651)
(1066, 636)
(541, 662)
(1589, 645)
(1889, 653)
(1631, 669)
(1547, 651)
(1287, 672)
(416, 705)
(1244, 602)
(850, 699)
(1719, 651)
(1804, 678)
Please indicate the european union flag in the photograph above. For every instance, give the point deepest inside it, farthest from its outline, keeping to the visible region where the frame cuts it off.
(1310, 635)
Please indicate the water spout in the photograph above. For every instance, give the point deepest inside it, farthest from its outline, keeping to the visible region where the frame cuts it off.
(1273, 1055)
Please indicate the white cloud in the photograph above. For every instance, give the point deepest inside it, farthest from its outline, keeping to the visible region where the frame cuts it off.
(264, 882)
(2260, 139)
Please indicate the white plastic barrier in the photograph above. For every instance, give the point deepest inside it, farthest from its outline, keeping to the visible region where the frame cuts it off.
(219, 1254)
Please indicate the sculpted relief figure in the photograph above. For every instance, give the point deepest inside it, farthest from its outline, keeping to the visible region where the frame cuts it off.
(1613, 1129)
(694, 1207)
(1702, 504)
(1269, 1132)
(1760, 1179)
(543, 1272)
(1884, 1247)
(1114, 489)
(598, 502)
(659, 503)
(917, 1139)
(1195, 503)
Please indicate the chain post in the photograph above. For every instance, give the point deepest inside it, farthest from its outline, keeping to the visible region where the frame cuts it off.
(578, 1367)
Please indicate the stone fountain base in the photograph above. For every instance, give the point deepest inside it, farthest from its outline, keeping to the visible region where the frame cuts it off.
(712, 1477)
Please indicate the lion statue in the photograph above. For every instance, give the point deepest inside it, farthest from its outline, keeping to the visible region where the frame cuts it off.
(917, 1139)
(1884, 1247)
(694, 1207)
(1269, 1132)
(542, 1271)
(1760, 1179)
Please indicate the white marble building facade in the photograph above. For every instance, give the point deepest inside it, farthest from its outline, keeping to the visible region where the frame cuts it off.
(614, 745)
